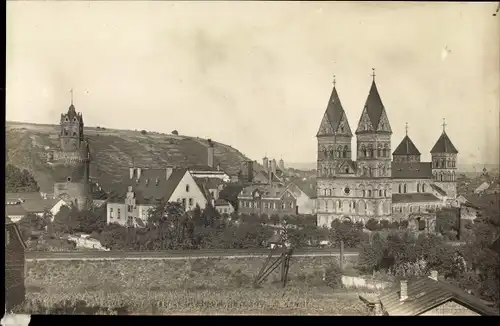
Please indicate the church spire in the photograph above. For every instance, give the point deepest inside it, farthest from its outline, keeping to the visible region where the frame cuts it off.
(373, 112)
(334, 120)
(444, 144)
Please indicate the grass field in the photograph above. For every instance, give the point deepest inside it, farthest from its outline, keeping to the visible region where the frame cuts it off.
(203, 286)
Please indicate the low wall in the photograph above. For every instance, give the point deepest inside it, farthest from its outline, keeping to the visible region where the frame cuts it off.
(358, 282)
(161, 274)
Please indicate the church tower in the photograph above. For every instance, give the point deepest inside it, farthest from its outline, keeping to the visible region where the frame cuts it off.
(444, 164)
(71, 164)
(374, 155)
(406, 152)
(334, 138)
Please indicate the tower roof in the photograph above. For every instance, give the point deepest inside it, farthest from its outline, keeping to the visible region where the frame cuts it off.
(334, 114)
(373, 105)
(406, 147)
(444, 145)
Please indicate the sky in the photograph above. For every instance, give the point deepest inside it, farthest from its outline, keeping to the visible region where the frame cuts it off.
(258, 75)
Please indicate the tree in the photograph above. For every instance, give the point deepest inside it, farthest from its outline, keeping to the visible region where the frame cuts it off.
(372, 225)
(175, 132)
(144, 132)
(19, 181)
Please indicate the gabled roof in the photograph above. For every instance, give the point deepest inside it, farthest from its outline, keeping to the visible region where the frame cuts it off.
(420, 170)
(147, 190)
(414, 198)
(374, 107)
(11, 225)
(265, 191)
(406, 147)
(426, 293)
(334, 114)
(444, 145)
(40, 205)
(22, 195)
(15, 210)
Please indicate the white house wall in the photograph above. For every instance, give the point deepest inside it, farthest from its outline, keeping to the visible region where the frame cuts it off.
(194, 193)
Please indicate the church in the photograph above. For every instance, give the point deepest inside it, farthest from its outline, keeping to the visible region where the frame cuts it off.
(374, 185)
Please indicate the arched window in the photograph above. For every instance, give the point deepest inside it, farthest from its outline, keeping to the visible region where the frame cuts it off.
(369, 193)
(364, 193)
(453, 176)
(399, 188)
(436, 163)
(385, 193)
(331, 153)
(405, 188)
(441, 176)
(418, 187)
(187, 188)
(325, 154)
(370, 150)
(340, 204)
(344, 152)
(353, 205)
(423, 187)
(363, 150)
(384, 152)
(443, 164)
(380, 193)
(379, 152)
(325, 172)
(65, 132)
(346, 170)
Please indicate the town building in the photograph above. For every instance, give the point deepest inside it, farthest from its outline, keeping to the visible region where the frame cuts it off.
(71, 163)
(430, 296)
(129, 204)
(269, 199)
(31, 203)
(373, 185)
(14, 266)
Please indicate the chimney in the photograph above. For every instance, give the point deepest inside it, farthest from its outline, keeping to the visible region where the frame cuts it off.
(250, 171)
(273, 166)
(404, 290)
(131, 173)
(169, 172)
(210, 161)
(218, 167)
(434, 275)
(377, 309)
(265, 163)
(138, 173)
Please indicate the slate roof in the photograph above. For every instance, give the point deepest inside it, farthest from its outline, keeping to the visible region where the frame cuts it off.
(266, 191)
(425, 293)
(222, 202)
(15, 210)
(444, 145)
(414, 198)
(406, 147)
(438, 189)
(335, 112)
(374, 106)
(40, 205)
(22, 195)
(420, 170)
(147, 190)
(230, 193)
(309, 188)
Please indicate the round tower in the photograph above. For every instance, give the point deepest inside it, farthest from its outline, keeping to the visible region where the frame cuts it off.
(71, 164)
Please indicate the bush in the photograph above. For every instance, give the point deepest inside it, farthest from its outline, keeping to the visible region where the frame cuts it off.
(333, 276)
(144, 132)
(372, 225)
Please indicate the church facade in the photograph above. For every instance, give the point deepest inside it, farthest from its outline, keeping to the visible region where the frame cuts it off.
(374, 185)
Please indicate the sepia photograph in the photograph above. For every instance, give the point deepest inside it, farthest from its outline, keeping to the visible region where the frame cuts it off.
(310, 158)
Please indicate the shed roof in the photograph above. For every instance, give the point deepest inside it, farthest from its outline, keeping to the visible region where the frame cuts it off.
(414, 198)
(426, 293)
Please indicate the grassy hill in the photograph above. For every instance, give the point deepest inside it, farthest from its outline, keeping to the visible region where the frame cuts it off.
(113, 151)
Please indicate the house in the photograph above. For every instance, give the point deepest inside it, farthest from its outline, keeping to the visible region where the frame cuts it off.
(14, 266)
(429, 296)
(33, 206)
(267, 199)
(129, 203)
(482, 187)
(306, 199)
(21, 197)
(99, 196)
(212, 188)
(210, 170)
(223, 206)
(230, 194)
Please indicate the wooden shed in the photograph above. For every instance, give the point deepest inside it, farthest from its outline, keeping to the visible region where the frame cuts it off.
(14, 266)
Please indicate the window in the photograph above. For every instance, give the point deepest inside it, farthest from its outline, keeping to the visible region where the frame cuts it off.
(369, 193)
(346, 170)
(380, 193)
(282, 205)
(385, 193)
(384, 152)
(345, 151)
(347, 190)
(190, 201)
(111, 212)
(354, 205)
(411, 209)
(364, 193)
(119, 215)
(423, 187)
(266, 205)
(130, 208)
(69, 179)
(379, 152)
(130, 221)
(187, 189)
(405, 188)
(184, 202)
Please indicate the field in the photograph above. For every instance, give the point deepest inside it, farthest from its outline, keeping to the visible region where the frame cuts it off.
(207, 286)
(113, 151)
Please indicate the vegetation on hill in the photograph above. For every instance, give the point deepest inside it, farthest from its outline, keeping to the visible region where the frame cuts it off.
(19, 181)
(113, 152)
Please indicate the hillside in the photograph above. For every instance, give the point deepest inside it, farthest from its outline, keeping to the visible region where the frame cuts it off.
(113, 151)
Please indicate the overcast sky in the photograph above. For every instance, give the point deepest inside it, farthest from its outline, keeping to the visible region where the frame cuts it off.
(258, 75)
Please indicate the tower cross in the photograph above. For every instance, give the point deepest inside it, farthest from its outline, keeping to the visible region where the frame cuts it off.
(444, 124)
(71, 91)
(334, 81)
(373, 74)
(406, 128)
